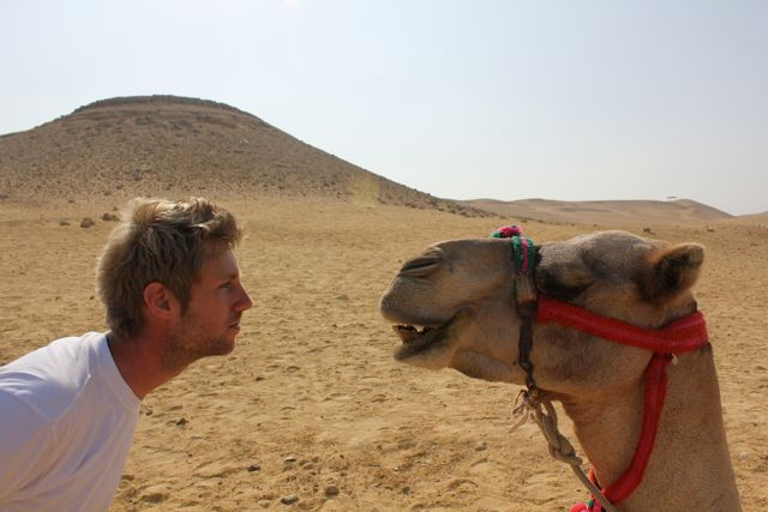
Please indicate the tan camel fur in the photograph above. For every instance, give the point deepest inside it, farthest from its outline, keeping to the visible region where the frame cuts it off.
(461, 293)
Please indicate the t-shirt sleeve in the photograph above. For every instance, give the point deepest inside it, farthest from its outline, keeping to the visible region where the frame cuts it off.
(26, 446)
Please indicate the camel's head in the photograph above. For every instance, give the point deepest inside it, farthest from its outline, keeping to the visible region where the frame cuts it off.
(454, 305)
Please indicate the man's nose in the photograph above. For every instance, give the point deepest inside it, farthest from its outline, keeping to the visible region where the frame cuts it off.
(245, 301)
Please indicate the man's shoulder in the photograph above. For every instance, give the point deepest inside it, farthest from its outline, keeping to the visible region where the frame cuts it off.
(50, 378)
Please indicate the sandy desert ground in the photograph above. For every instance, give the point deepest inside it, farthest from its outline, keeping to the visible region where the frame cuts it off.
(312, 409)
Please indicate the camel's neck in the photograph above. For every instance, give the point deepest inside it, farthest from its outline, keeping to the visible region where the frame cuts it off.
(690, 467)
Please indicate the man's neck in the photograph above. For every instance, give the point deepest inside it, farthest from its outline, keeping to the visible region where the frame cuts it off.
(139, 364)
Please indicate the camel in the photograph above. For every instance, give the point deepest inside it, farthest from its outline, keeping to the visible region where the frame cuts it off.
(454, 307)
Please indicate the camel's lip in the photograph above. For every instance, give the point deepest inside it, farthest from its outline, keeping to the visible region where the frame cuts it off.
(418, 339)
(411, 333)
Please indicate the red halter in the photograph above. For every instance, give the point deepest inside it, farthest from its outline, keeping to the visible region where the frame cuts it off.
(683, 335)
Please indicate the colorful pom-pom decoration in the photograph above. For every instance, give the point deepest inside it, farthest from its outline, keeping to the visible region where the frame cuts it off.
(507, 232)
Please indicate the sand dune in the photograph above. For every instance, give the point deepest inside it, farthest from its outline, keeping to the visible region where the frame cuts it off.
(601, 213)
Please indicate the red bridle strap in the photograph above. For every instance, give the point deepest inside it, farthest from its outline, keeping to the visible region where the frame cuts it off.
(684, 335)
(655, 393)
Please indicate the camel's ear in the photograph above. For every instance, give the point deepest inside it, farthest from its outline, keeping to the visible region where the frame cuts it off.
(671, 271)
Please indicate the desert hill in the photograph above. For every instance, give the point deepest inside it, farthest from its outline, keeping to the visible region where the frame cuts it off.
(605, 213)
(115, 149)
(165, 145)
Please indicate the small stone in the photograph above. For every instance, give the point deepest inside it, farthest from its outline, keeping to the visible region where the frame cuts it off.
(181, 422)
(481, 446)
(289, 500)
(254, 467)
(290, 459)
(343, 296)
(331, 490)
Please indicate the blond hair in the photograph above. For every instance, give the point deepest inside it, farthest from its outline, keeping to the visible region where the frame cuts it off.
(158, 241)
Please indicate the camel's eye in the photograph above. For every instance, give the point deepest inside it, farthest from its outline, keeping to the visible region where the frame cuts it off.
(565, 293)
(421, 265)
(564, 287)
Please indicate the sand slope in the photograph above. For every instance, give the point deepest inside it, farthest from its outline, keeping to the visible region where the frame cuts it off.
(311, 399)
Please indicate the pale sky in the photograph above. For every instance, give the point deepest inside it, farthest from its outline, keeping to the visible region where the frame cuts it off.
(507, 99)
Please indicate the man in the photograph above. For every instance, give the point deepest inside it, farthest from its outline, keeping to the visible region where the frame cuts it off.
(171, 286)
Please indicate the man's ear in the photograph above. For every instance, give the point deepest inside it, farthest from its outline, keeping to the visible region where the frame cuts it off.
(158, 300)
(672, 271)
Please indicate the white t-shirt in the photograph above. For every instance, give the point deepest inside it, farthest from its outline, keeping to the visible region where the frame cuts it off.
(67, 420)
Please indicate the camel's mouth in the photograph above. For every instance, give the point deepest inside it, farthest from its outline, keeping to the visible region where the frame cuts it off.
(412, 333)
(419, 339)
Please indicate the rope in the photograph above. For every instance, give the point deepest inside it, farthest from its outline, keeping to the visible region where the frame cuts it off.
(543, 414)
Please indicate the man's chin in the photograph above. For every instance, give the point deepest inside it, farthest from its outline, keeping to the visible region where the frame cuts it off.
(226, 346)
(220, 346)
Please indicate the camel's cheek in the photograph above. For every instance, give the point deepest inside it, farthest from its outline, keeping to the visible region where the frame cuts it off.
(436, 357)
(485, 351)
(480, 366)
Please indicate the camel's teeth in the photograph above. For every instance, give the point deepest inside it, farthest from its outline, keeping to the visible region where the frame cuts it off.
(411, 333)
(406, 333)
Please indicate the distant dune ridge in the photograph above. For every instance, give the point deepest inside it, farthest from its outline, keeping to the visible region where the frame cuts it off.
(171, 146)
(114, 149)
(678, 211)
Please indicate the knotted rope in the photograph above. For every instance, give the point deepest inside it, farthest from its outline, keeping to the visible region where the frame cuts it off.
(543, 414)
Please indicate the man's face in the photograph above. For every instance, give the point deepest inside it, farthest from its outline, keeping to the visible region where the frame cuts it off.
(212, 319)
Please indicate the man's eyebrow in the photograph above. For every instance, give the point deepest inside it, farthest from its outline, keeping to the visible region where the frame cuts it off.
(235, 274)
